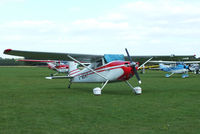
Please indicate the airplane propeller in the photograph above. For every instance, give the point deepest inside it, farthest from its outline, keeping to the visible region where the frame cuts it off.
(132, 64)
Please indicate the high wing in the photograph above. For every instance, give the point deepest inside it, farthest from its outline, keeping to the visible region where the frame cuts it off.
(175, 62)
(52, 55)
(88, 58)
(191, 62)
(38, 60)
(58, 56)
(160, 61)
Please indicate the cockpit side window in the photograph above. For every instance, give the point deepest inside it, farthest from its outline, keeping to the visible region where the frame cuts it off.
(57, 63)
(99, 63)
(105, 61)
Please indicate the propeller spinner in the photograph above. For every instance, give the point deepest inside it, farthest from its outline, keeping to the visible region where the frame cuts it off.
(132, 64)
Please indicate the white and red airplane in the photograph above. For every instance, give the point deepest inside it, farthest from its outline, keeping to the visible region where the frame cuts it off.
(56, 65)
(103, 68)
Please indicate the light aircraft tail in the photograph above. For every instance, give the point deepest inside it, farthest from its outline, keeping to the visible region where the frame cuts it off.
(162, 66)
(165, 68)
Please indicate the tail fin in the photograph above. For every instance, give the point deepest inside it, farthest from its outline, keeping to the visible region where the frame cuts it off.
(162, 66)
(73, 68)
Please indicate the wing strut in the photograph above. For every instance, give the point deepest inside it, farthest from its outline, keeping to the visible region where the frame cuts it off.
(145, 62)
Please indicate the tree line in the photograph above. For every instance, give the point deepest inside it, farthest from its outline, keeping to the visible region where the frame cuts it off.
(14, 62)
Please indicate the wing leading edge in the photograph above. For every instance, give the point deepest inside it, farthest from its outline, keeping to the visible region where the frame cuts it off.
(176, 62)
(80, 57)
(52, 55)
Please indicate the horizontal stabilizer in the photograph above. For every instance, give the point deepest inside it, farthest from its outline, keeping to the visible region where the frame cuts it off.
(58, 77)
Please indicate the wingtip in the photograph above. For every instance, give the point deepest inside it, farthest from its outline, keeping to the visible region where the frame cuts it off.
(7, 51)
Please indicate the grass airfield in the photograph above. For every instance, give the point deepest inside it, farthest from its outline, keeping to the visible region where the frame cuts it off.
(30, 104)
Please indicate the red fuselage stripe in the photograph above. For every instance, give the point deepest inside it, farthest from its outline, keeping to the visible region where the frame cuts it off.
(104, 69)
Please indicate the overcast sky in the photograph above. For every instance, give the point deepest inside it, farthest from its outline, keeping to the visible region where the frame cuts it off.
(145, 27)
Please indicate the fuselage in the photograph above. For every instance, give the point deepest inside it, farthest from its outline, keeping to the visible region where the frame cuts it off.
(174, 69)
(113, 71)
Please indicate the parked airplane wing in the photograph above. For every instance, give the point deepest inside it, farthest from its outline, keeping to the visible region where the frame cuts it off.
(52, 55)
(58, 77)
(88, 58)
(30, 60)
(175, 62)
(191, 62)
(160, 61)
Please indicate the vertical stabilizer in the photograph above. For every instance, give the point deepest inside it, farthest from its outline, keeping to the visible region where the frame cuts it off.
(165, 68)
(162, 66)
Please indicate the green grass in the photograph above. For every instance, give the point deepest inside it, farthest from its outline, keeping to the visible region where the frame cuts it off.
(29, 104)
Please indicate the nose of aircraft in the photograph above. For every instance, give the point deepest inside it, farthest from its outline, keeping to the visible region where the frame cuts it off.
(133, 64)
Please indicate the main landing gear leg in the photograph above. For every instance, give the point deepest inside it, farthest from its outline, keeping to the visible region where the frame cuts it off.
(70, 83)
(104, 84)
(137, 90)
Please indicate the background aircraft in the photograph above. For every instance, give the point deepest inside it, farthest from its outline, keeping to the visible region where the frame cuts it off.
(194, 68)
(177, 67)
(56, 65)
